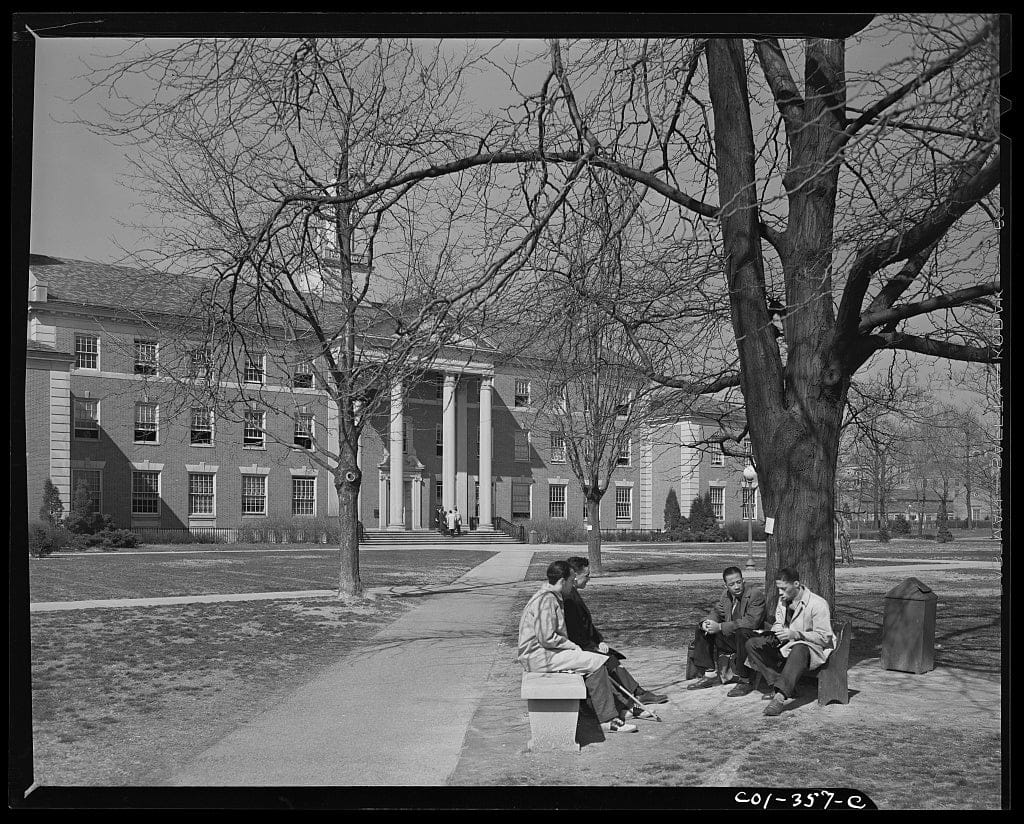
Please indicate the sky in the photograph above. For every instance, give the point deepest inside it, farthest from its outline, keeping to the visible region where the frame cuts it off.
(79, 204)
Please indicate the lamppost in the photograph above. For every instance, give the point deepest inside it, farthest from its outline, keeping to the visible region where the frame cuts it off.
(750, 482)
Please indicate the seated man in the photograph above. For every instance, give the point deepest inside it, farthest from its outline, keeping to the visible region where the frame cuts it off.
(545, 647)
(582, 631)
(727, 628)
(801, 639)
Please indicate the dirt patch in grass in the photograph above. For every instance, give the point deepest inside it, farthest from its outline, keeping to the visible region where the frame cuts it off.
(908, 741)
(148, 575)
(118, 694)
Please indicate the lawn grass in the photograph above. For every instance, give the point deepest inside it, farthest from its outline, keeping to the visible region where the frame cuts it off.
(210, 572)
(905, 750)
(662, 559)
(120, 694)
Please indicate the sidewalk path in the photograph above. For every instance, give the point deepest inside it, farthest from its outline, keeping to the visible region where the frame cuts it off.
(395, 714)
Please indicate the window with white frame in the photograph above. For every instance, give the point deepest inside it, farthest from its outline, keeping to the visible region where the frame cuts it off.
(522, 445)
(622, 409)
(145, 492)
(303, 495)
(623, 503)
(438, 492)
(254, 432)
(556, 500)
(717, 455)
(87, 418)
(201, 493)
(522, 395)
(557, 447)
(521, 500)
(92, 481)
(304, 429)
(748, 458)
(975, 513)
(254, 367)
(473, 390)
(201, 433)
(145, 357)
(625, 456)
(303, 377)
(254, 494)
(438, 380)
(749, 503)
(146, 422)
(199, 363)
(718, 501)
(87, 351)
(439, 440)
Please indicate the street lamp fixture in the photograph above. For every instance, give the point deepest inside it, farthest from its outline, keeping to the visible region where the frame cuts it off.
(750, 482)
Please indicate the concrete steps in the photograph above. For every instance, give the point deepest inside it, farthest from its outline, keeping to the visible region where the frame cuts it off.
(382, 537)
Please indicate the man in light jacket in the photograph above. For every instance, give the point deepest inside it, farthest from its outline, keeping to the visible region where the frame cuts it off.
(544, 646)
(801, 639)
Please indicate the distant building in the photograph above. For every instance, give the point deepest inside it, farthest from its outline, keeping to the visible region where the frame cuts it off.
(103, 409)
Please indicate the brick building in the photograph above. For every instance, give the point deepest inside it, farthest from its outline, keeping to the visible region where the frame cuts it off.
(104, 408)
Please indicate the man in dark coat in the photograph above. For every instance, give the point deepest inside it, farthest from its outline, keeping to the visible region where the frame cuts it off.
(726, 629)
(581, 630)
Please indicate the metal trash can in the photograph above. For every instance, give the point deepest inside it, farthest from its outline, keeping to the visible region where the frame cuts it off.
(534, 537)
(908, 628)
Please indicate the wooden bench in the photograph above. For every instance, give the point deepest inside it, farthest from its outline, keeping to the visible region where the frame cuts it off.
(553, 701)
(833, 684)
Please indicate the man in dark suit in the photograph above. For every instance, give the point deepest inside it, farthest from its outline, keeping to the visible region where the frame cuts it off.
(726, 629)
(580, 628)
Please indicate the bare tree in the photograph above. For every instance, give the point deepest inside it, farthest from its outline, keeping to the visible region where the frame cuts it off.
(283, 172)
(848, 204)
(856, 206)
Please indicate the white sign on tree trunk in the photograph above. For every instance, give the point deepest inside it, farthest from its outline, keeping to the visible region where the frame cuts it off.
(769, 525)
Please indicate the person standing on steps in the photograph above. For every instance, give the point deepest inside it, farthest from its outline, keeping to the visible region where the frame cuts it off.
(450, 522)
(544, 646)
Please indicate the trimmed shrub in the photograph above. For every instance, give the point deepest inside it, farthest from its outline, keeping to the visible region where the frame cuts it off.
(901, 526)
(52, 509)
(882, 536)
(45, 539)
(737, 530)
(674, 519)
(555, 530)
(112, 539)
(943, 535)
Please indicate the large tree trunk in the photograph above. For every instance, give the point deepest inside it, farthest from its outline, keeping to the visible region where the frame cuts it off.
(594, 534)
(349, 582)
(793, 412)
(798, 467)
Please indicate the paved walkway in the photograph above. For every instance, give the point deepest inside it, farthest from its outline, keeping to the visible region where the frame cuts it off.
(396, 714)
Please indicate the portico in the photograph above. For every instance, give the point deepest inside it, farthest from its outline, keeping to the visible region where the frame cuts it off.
(403, 505)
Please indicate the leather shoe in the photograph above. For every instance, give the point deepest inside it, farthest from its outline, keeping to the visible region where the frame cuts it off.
(704, 682)
(647, 697)
(774, 707)
(740, 689)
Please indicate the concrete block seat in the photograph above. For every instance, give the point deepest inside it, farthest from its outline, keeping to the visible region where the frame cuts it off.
(553, 701)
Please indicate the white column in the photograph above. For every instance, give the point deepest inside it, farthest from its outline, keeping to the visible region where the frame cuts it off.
(396, 521)
(448, 436)
(486, 505)
(417, 503)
